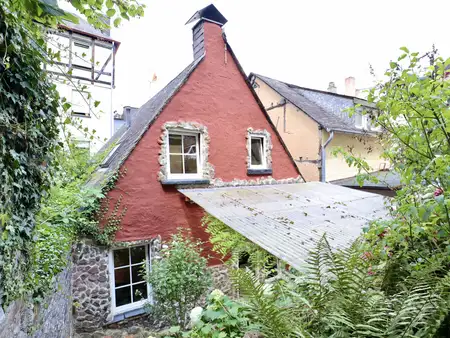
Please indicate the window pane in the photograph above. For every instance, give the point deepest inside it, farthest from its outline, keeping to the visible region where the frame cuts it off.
(358, 120)
(123, 296)
(176, 164)
(137, 254)
(190, 144)
(122, 276)
(256, 151)
(190, 164)
(139, 292)
(175, 144)
(136, 273)
(121, 258)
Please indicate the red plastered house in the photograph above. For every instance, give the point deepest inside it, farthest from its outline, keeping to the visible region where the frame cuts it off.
(206, 128)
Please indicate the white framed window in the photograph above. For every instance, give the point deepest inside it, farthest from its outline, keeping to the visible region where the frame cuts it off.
(81, 103)
(129, 290)
(184, 156)
(360, 120)
(81, 52)
(257, 152)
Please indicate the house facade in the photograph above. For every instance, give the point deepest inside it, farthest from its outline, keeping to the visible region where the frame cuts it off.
(313, 123)
(85, 76)
(205, 129)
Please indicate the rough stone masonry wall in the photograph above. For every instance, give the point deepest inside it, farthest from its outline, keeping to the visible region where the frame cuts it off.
(90, 286)
(51, 319)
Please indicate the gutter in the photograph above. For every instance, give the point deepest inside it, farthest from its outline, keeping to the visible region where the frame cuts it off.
(323, 155)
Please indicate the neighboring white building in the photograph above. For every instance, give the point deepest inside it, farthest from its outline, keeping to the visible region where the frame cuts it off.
(85, 75)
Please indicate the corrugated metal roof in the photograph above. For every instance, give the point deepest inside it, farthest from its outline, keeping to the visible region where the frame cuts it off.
(288, 219)
(386, 179)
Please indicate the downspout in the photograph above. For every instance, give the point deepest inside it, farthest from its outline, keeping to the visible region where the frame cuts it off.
(323, 155)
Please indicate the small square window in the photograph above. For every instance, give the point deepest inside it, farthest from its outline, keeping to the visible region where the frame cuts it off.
(81, 103)
(130, 290)
(184, 158)
(257, 152)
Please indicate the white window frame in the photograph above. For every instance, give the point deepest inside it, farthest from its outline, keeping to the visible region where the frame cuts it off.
(83, 144)
(364, 123)
(116, 310)
(83, 44)
(263, 165)
(198, 144)
(87, 100)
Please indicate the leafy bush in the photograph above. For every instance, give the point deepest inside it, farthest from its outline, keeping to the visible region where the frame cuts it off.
(179, 280)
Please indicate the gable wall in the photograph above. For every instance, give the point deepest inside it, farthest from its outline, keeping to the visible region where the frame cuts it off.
(301, 136)
(365, 147)
(216, 96)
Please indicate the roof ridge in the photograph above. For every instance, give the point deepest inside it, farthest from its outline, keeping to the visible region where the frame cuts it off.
(312, 89)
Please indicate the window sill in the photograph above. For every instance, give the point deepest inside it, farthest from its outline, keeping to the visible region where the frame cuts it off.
(81, 115)
(127, 314)
(259, 171)
(187, 181)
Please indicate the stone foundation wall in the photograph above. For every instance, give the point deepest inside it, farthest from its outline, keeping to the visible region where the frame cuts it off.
(51, 319)
(221, 279)
(90, 286)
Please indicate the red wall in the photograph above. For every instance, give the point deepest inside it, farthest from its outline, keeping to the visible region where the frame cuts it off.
(216, 96)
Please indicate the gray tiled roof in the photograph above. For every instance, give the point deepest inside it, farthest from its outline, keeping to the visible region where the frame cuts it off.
(386, 179)
(327, 109)
(128, 137)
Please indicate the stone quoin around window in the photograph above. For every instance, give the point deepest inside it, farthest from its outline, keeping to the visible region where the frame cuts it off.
(259, 152)
(184, 154)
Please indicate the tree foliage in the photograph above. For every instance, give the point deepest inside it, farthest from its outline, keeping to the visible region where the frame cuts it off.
(29, 139)
(394, 280)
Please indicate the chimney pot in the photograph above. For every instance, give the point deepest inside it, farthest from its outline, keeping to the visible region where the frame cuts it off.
(350, 87)
(332, 87)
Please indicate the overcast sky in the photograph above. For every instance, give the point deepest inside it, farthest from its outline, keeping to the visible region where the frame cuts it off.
(308, 43)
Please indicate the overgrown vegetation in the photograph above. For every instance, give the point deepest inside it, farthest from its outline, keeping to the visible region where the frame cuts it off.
(179, 279)
(394, 280)
(36, 203)
(232, 246)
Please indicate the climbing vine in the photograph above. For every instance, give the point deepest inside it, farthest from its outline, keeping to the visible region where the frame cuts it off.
(38, 206)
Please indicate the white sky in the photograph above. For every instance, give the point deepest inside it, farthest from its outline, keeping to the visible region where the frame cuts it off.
(308, 43)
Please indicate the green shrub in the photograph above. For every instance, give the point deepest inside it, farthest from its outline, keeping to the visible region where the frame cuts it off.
(179, 280)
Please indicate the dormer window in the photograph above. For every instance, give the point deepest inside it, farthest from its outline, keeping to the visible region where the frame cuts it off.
(184, 158)
(360, 120)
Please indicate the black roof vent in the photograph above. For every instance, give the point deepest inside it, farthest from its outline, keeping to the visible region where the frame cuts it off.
(209, 13)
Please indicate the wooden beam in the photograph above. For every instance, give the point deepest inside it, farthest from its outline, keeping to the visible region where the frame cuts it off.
(80, 78)
(103, 67)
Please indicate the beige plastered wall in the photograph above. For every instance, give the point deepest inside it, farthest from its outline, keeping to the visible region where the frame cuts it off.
(299, 132)
(365, 147)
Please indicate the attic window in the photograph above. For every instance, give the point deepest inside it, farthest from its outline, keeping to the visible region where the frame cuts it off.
(184, 157)
(257, 152)
(259, 147)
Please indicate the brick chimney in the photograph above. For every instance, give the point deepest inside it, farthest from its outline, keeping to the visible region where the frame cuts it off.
(208, 27)
(350, 87)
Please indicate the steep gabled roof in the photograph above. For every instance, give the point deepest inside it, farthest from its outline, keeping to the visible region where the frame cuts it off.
(327, 109)
(126, 138)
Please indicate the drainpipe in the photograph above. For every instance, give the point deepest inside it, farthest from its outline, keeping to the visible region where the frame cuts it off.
(323, 155)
